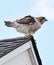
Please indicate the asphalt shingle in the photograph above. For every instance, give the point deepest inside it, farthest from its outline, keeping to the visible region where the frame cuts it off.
(8, 45)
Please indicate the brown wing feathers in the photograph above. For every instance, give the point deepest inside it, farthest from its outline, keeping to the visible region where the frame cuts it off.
(26, 20)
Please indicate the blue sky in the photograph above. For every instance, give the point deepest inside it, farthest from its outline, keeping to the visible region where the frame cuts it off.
(14, 9)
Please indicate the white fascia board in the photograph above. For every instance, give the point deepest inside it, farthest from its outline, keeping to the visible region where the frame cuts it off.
(15, 52)
(34, 60)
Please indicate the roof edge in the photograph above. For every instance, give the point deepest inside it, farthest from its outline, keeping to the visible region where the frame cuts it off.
(36, 51)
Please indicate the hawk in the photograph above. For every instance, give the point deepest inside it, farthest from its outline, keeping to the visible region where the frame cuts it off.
(27, 25)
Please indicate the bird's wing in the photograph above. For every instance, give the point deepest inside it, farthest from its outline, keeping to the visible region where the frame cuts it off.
(26, 20)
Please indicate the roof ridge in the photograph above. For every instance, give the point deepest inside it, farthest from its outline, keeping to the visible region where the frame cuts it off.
(17, 38)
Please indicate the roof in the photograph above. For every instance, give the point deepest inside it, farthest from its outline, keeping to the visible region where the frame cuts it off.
(9, 45)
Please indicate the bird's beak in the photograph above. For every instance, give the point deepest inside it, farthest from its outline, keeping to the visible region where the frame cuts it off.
(46, 20)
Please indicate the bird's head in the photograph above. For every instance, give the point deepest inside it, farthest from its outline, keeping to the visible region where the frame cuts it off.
(42, 19)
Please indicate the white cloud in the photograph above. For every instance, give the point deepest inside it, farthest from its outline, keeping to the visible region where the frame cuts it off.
(44, 8)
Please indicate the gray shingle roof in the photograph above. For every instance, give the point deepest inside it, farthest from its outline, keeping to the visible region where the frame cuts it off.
(8, 45)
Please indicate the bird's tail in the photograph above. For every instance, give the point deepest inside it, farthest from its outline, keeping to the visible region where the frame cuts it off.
(8, 23)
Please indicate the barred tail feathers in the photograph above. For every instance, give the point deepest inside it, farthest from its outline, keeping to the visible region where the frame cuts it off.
(8, 23)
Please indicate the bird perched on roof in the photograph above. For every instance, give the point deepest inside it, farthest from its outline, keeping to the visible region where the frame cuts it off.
(27, 25)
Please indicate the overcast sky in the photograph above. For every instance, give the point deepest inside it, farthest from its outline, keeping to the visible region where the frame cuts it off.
(14, 9)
